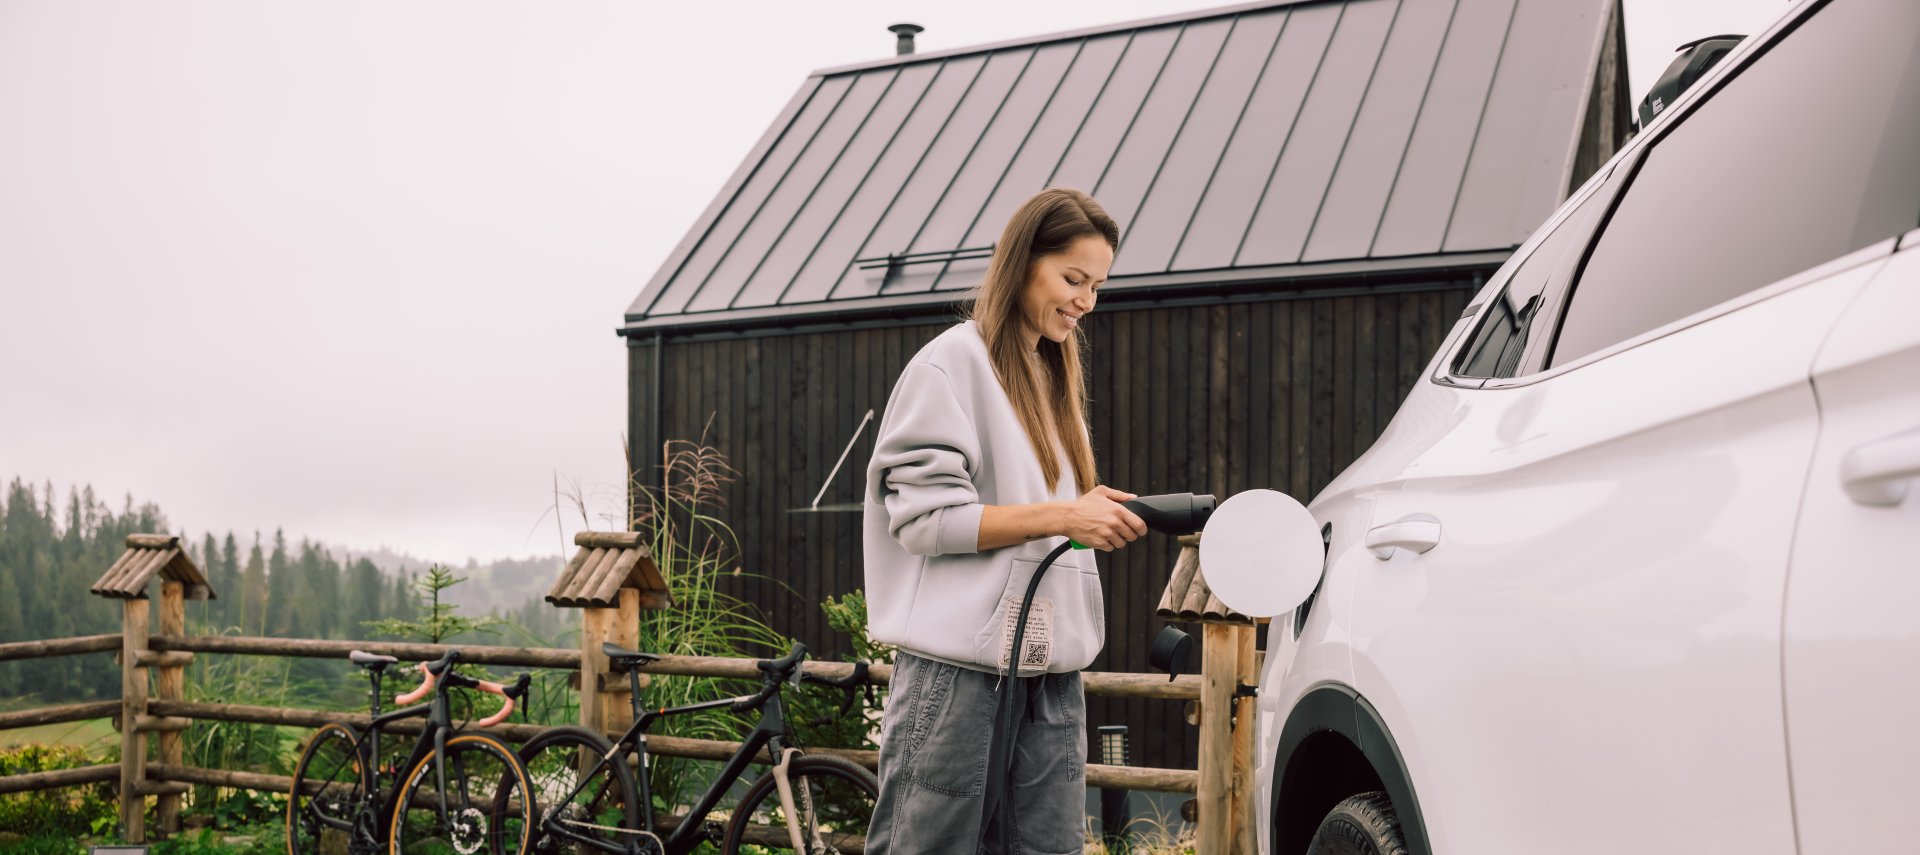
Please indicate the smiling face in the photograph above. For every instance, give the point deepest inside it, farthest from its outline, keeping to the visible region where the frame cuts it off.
(1061, 288)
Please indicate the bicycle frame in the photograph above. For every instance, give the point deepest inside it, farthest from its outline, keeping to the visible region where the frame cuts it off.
(771, 731)
(366, 750)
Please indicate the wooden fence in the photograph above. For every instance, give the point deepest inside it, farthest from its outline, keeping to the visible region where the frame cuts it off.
(153, 657)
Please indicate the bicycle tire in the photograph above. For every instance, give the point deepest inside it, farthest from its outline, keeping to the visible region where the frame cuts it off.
(483, 776)
(840, 792)
(329, 767)
(609, 799)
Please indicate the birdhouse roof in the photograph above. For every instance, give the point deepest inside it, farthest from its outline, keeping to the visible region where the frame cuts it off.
(1188, 598)
(607, 562)
(146, 555)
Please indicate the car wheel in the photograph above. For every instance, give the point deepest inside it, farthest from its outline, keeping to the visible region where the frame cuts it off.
(1362, 825)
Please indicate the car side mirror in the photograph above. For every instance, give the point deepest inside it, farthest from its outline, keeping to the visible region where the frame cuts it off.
(1261, 553)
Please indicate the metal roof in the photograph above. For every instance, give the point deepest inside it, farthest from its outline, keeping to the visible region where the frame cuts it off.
(1272, 137)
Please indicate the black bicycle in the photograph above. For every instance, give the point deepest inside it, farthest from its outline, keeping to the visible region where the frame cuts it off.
(458, 793)
(591, 802)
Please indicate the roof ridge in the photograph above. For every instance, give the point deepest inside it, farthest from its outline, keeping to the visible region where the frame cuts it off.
(1064, 35)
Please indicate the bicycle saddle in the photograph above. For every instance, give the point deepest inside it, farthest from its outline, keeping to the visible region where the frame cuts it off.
(371, 661)
(625, 658)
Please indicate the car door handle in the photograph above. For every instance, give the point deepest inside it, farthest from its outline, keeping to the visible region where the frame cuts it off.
(1876, 473)
(1418, 532)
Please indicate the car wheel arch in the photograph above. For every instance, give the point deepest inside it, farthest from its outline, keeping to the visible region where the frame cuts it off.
(1334, 745)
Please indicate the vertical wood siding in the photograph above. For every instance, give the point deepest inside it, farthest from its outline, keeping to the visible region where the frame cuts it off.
(1211, 398)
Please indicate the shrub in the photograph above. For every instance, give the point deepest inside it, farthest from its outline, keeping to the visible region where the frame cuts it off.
(816, 712)
(69, 812)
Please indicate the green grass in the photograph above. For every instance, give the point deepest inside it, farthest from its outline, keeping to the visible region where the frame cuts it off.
(97, 733)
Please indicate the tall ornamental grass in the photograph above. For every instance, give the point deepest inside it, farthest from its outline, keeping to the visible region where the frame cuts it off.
(694, 549)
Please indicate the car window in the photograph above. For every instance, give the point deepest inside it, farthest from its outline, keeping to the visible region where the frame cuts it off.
(1811, 152)
(1512, 319)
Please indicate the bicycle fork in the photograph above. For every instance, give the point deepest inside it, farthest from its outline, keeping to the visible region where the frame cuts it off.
(785, 786)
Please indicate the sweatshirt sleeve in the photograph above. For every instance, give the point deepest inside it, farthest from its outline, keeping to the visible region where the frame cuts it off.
(922, 458)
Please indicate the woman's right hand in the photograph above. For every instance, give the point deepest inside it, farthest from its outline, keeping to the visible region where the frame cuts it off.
(1098, 520)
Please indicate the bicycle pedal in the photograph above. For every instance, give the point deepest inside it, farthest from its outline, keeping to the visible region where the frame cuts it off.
(712, 830)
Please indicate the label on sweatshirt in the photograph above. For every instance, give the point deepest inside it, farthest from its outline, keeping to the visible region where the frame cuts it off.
(1038, 640)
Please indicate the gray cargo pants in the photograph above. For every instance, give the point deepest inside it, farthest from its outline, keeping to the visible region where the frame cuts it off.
(934, 740)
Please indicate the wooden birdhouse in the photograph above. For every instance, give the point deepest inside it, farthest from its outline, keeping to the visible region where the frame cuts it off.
(610, 580)
(146, 556)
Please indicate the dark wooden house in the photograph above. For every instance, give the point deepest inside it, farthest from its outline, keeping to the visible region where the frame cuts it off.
(1309, 191)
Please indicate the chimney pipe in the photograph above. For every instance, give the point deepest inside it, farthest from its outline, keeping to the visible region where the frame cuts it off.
(904, 46)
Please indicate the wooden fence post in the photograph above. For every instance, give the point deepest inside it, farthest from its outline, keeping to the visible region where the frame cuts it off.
(603, 695)
(1223, 799)
(133, 707)
(616, 710)
(1245, 814)
(1219, 656)
(595, 626)
(170, 683)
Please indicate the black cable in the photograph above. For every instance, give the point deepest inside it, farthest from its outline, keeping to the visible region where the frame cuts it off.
(1000, 750)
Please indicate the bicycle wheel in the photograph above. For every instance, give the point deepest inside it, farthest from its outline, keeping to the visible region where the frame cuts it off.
(833, 804)
(320, 812)
(483, 778)
(597, 807)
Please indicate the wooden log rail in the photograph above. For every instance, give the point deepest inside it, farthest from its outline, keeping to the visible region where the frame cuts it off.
(59, 714)
(60, 778)
(1127, 777)
(59, 647)
(1185, 688)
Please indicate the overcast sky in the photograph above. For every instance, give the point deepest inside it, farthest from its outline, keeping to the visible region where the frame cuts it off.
(353, 268)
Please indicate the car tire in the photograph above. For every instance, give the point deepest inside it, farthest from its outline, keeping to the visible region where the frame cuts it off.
(1365, 824)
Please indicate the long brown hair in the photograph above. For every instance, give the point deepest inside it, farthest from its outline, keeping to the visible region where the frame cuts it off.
(1044, 225)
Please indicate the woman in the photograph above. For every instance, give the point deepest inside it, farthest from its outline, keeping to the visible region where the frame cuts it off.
(977, 470)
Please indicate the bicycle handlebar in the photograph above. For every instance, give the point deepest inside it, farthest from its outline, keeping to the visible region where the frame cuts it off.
(427, 682)
(848, 684)
(776, 672)
(429, 679)
(446, 660)
(778, 669)
(506, 709)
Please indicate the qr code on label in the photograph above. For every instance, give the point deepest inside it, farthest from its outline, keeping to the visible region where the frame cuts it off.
(1036, 656)
(1036, 646)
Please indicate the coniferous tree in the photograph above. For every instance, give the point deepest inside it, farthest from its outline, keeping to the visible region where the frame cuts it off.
(331, 600)
(90, 510)
(209, 562)
(76, 530)
(280, 588)
(316, 592)
(253, 584)
(230, 571)
(13, 625)
(365, 590)
(401, 603)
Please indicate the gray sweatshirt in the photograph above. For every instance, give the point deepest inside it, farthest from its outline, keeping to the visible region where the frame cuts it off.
(949, 445)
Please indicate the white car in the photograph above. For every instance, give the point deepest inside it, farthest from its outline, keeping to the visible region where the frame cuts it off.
(1635, 566)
